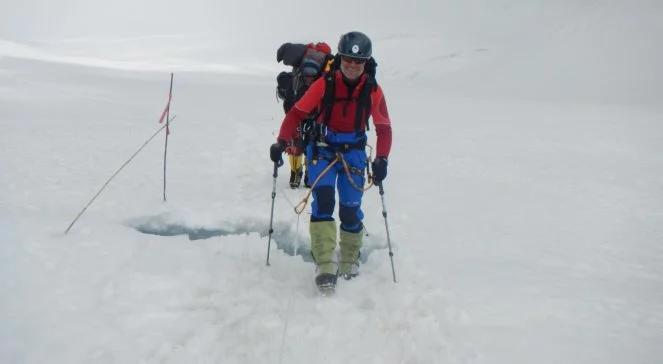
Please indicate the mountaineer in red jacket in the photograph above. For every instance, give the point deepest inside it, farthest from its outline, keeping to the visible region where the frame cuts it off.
(344, 100)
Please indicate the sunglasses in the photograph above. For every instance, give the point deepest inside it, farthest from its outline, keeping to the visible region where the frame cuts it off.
(353, 60)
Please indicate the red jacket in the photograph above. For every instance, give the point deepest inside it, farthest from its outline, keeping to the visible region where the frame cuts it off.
(343, 113)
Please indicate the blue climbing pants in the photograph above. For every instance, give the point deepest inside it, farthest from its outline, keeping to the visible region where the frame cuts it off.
(324, 192)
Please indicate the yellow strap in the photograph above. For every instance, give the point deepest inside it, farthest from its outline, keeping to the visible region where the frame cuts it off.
(328, 65)
(304, 201)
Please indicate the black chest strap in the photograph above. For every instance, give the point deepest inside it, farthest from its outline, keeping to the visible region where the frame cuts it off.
(363, 110)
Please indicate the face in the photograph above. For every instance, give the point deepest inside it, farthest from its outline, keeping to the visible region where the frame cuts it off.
(352, 68)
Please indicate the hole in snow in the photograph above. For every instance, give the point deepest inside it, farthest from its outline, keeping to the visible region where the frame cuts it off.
(193, 233)
(285, 238)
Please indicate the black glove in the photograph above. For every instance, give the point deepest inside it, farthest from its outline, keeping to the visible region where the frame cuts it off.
(275, 152)
(379, 170)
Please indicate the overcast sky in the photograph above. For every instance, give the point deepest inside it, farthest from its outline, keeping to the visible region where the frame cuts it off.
(47, 20)
(544, 40)
(51, 19)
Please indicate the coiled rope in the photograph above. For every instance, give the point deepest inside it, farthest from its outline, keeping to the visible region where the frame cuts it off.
(299, 208)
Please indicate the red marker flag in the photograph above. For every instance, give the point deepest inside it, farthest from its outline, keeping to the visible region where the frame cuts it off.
(165, 112)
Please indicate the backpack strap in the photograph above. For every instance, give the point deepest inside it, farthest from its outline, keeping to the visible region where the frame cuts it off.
(363, 110)
(364, 105)
(328, 97)
(329, 64)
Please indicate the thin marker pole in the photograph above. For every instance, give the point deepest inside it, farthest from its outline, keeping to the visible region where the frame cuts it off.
(165, 149)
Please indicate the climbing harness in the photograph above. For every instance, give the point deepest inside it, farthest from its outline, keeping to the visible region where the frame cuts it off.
(299, 208)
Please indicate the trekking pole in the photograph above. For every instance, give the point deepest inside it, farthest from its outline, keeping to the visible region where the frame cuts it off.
(386, 225)
(271, 217)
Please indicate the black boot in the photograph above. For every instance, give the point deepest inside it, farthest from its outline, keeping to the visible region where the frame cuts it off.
(353, 273)
(295, 179)
(326, 283)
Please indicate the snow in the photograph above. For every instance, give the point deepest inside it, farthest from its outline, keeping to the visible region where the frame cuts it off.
(524, 192)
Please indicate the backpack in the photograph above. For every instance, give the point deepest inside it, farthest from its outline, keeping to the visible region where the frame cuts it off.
(306, 60)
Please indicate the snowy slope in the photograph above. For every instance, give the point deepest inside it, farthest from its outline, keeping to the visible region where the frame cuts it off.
(524, 190)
